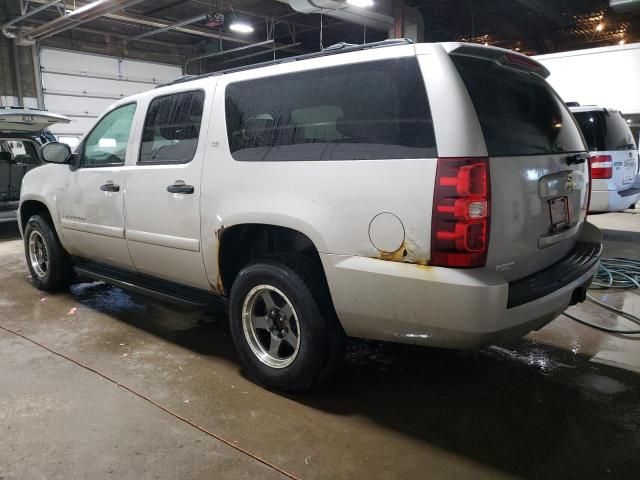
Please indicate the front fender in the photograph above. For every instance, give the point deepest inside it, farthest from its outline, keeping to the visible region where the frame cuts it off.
(42, 185)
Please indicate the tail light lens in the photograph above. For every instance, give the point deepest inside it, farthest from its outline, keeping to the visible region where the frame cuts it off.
(461, 213)
(586, 213)
(601, 166)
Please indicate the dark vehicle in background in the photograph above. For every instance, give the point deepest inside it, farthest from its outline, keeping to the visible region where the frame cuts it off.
(614, 158)
(22, 133)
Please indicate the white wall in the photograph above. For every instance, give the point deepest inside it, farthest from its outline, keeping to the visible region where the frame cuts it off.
(607, 76)
(81, 86)
(29, 102)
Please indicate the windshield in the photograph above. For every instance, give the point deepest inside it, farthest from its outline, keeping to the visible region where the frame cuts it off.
(605, 130)
(519, 112)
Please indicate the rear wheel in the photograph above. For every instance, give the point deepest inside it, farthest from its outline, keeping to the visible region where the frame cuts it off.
(48, 263)
(283, 325)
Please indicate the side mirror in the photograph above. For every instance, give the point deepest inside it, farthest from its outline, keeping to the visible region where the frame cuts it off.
(55, 152)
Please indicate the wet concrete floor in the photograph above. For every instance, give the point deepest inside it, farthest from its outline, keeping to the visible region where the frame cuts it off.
(562, 403)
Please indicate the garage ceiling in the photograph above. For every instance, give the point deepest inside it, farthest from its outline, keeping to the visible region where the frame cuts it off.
(532, 26)
(181, 29)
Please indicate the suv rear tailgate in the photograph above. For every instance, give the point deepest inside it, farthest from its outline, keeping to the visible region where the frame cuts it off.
(539, 173)
(19, 119)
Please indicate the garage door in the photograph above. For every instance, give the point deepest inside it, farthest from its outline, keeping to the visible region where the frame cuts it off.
(81, 86)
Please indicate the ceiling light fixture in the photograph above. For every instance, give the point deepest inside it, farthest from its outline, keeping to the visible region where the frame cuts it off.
(240, 27)
(599, 27)
(361, 3)
(84, 8)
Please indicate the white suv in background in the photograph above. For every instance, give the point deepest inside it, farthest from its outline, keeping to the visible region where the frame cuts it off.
(614, 158)
(22, 132)
(433, 194)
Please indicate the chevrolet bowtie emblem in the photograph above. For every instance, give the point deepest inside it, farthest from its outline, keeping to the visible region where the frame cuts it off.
(570, 185)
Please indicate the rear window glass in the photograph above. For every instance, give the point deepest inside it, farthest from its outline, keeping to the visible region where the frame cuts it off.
(518, 111)
(368, 111)
(605, 130)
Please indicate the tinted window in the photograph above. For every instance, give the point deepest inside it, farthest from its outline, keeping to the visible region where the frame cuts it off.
(605, 130)
(518, 111)
(372, 110)
(172, 128)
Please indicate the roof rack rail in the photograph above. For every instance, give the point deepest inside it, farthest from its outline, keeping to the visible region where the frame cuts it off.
(341, 47)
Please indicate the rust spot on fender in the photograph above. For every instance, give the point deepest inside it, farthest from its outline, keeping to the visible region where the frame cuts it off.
(404, 254)
(218, 287)
(220, 231)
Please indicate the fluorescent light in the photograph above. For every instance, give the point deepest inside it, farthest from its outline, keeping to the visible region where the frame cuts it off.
(241, 27)
(86, 7)
(361, 3)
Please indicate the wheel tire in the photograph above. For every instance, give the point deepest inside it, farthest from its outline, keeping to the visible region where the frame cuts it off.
(58, 271)
(321, 338)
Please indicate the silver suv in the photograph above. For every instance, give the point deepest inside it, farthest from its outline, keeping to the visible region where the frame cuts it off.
(614, 158)
(432, 194)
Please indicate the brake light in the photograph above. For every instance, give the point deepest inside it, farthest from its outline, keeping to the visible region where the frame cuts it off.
(601, 166)
(522, 60)
(586, 213)
(461, 213)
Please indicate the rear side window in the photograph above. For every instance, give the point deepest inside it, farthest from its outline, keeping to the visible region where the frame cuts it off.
(368, 111)
(605, 130)
(518, 111)
(171, 128)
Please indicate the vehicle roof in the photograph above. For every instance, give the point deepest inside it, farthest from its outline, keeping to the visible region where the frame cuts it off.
(591, 108)
(190, 82)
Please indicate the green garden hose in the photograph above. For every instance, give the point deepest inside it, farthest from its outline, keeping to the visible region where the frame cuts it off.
(616, 273)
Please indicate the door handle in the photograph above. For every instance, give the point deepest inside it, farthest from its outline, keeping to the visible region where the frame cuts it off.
(576, 159)
(110, 187)
(180, 188)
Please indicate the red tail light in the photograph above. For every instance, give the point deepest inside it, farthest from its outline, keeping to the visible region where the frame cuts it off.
(601, 166)
(586, 213)
(461, 213)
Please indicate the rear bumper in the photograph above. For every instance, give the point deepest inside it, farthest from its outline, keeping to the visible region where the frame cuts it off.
(443, 307)
(613, 201)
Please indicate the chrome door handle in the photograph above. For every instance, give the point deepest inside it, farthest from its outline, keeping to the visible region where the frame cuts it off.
(180, 188)
(110, 187)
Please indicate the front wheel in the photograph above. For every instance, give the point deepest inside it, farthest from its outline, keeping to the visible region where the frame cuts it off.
(283, 325)
(48, 263)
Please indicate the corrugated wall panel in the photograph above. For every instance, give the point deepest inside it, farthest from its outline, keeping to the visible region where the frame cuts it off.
(82, 85)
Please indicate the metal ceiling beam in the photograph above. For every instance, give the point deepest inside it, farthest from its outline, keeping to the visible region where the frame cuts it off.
(255, 54)
(13, 21)
(159, 23)
(225, 52)
(86, 13)
(109, 33)
(181, 23)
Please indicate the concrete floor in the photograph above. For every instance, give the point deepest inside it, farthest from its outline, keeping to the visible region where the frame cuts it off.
(563, 402)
